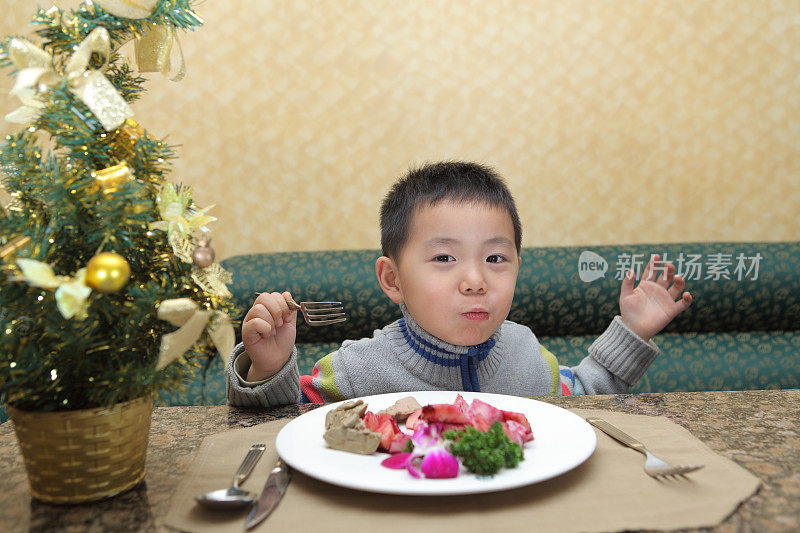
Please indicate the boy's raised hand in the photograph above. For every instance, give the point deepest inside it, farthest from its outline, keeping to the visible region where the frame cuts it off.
(649, 307)
(268, 333)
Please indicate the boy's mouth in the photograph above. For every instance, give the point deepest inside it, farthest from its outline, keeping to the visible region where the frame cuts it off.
(476, 314)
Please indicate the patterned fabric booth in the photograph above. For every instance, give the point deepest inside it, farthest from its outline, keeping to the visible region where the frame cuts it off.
(741, 332)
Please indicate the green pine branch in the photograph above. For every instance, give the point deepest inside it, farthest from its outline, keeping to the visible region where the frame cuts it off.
(121, 76)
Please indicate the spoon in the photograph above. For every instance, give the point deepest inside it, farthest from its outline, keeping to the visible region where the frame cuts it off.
(234, 497)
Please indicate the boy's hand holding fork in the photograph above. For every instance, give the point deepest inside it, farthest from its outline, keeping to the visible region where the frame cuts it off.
(268, 334)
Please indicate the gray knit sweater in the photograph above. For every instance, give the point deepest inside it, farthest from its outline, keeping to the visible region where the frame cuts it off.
(404, 357)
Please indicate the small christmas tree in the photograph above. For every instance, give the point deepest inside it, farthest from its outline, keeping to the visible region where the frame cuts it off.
(102, 257)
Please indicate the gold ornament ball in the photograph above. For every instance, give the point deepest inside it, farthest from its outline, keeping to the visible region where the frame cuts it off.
(107, 272)
(203, 256)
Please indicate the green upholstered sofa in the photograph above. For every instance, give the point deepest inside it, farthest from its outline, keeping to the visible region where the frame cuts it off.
(741, 332)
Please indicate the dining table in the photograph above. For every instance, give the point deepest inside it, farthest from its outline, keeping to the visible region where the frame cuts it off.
(757, 429)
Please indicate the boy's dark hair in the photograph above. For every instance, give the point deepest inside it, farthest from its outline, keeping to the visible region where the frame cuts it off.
(430, 184)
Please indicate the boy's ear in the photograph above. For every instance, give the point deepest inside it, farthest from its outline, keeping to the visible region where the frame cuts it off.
(386, 270)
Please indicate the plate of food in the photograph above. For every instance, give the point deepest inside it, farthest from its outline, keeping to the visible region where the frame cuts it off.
(354, 444)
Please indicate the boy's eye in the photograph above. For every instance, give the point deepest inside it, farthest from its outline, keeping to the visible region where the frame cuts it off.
(495, 258)
(443, 258)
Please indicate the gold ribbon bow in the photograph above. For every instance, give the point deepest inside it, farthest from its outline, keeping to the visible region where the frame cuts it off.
(153, 50)
(186, 313)
(91, 86)
(36, 67)
(154, 46)
(71, 291)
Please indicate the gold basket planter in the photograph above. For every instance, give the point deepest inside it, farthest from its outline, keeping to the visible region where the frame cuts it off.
(84, 455)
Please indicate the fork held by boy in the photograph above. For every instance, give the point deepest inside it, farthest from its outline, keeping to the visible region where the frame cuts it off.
(317, 313)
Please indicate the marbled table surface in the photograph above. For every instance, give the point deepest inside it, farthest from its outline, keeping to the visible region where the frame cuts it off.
(760, 430)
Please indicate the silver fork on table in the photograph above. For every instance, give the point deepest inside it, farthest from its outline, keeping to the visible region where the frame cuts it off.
(653, 465)
(318, 313)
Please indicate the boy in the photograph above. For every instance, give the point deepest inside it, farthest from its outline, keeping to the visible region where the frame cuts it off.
(451, 239)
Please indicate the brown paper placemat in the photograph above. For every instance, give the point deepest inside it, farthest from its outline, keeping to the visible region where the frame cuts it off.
(609, 492)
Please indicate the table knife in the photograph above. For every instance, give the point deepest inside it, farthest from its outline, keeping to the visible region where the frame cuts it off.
(273, 491)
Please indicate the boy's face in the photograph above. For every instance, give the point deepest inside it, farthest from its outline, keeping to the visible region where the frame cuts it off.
(457, 272)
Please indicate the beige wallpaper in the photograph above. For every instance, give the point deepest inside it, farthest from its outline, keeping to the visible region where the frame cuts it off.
(613, 121)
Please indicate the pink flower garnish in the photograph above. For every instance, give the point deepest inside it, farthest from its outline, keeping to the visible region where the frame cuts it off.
(397, 461)
(439, 463)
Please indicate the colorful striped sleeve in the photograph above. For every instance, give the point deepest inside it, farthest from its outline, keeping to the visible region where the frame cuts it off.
(568, 387)
(563, 380)
(320, 386)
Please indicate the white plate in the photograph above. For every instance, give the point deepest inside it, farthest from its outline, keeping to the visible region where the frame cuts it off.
(562, 441)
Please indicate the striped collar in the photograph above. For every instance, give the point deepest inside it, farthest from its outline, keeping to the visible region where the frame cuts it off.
(440, 365)
(436, 350)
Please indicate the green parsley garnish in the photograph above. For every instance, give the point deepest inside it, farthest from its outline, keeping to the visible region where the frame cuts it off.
(485, 452)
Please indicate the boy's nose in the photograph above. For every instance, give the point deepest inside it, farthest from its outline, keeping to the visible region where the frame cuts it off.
(473, 284)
